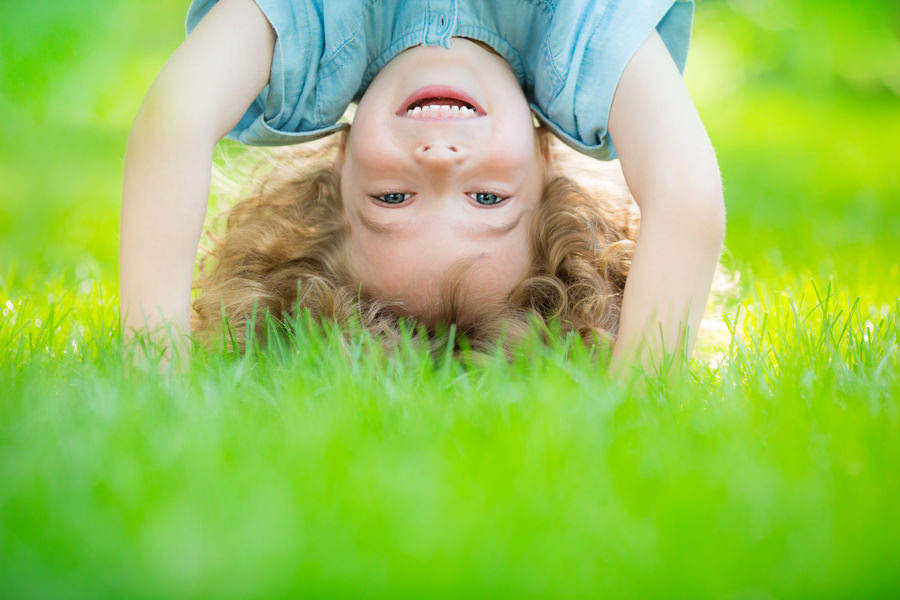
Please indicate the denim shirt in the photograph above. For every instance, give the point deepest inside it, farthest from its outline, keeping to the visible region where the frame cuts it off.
(568, 56)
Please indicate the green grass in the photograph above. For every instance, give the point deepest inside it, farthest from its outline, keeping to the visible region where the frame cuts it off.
(326, 468)
(770, 467)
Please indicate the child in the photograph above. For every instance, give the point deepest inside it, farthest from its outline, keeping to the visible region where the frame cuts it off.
(442, 189)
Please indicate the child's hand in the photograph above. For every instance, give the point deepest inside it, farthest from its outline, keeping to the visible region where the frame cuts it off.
(198, 97)
(671, 170)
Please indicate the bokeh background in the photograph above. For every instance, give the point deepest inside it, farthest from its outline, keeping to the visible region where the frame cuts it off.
(800, 97)
(330, 473)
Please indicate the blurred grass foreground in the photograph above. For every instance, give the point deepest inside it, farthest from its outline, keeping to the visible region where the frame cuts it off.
(770, 468)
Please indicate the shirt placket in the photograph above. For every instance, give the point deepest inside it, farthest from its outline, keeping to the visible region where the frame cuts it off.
(442, 18)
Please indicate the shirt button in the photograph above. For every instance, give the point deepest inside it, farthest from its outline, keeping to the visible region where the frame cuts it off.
(442, 21)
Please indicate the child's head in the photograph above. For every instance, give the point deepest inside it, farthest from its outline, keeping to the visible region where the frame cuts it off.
(440, 178)
(442, 215)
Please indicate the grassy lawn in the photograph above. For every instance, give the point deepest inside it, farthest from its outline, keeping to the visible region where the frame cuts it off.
(768, 468)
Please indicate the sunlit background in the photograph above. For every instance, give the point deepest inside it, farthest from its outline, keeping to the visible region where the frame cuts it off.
(801, 99)
(330, 471)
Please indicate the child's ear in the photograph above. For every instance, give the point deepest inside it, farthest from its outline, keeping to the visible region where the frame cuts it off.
(341, 152)
(544, 143)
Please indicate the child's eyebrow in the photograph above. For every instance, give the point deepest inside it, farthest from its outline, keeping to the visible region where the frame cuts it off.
(378, 227)
(498, 230)
(480, 230)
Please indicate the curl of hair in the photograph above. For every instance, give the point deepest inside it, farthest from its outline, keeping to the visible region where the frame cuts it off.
(284, 252)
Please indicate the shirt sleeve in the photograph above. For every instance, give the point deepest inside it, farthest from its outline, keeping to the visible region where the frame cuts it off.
(597, 56)
(285, 111)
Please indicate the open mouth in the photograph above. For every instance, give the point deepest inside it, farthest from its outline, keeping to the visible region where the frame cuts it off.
(440, 103)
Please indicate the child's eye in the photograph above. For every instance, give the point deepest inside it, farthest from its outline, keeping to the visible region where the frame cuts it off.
(392, 198)
(487, 198)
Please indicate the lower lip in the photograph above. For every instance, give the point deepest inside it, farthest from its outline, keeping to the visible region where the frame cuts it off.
(439, 91)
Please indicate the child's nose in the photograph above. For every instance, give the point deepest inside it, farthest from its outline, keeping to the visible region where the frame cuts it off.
(441, 154)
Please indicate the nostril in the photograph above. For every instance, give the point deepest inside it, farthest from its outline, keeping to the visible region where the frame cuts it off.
(440, 152)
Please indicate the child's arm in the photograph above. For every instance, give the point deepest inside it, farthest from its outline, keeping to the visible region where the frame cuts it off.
(671, 170)
(198, 97)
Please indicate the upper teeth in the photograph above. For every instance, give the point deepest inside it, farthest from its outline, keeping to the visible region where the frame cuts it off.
(432, 109)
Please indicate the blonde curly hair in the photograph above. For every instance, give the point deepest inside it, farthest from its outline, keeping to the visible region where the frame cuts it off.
(282, 251)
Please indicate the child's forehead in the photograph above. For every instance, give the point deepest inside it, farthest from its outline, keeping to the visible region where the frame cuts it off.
(414, 266)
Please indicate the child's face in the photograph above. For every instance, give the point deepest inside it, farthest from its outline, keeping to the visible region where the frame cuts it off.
(436, 191)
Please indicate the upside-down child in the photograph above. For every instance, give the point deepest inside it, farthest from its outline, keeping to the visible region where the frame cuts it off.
(446, 200)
